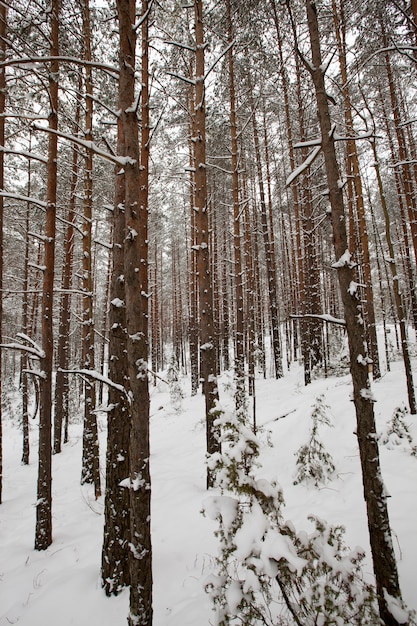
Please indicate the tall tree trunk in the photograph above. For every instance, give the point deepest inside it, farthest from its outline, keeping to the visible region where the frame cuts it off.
(238, 273)
(61, 403)
(24, 326)
(356, 191)
(136, 296)
(266, 235)
(208, 370)
(115, 571)
(90, 471)
(3, 33)
(396, 287)
(404, 165)
(115, 553)
(385, 567)
(193, 287)
(43, 533)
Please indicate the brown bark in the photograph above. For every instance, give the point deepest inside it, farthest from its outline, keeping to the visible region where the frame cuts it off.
(409, 270)
(24, 325)
(239, 363)
(385, 568)
(3, 32)
(396, 287)
(136, 297)
(115, 570)
(90, 471)
(115, 553)
(208, 370)
(267, 240)
(193, 315)
(404, 166)
(355, 191)
(61, 403)
(43, 533)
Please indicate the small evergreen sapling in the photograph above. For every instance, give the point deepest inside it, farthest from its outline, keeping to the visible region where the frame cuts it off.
(267, 572)
(313, 462)
(398, 432)
(176, 392)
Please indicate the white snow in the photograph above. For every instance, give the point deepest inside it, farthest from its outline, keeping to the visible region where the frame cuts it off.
(64, 581)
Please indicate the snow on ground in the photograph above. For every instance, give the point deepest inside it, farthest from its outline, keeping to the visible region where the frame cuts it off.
(62, 584)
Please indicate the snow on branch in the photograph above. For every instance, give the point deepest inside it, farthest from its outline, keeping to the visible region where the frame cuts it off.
(190, 81)
(18, 196)
(221, 55)
(180, 45)
(306, 163)
(344, 261)
(62, 59)
(36, 352)
(88, 145)
(325, 317)
(23, 153)
(95, 376)
(143, 17)
(317, 141)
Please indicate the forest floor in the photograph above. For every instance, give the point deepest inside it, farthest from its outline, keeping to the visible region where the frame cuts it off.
(62, 585)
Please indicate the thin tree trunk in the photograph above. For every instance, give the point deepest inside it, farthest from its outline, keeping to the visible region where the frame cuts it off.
(239, 363)
(24, 325)
(402, 149)
(356, 191)
(61, 404)
(270, 260)
(385, 567)
(43, 533)
(3, 33)
(207, 346)
(90, 471)
(396, 287)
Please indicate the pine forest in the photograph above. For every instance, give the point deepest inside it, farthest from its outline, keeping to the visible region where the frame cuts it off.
(208, 312)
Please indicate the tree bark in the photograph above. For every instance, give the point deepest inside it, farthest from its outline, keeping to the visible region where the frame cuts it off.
(385, 567)
(267, 241)
(208, 369)
(238, 273)
(43, 532)
(90, 471)
(115, 554)
(136, 294)
(61, 404)
(3, 33)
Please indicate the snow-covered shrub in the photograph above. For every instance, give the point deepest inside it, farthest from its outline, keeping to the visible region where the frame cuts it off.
(176, 392)
(266, 571)
(313, 462)
(398, 432)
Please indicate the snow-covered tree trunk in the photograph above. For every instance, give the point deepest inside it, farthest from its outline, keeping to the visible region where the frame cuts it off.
(384, 562)
(61, 402)
(3, 31)
(136, 298)
(43, 533)
(115, 553)
(90, 471)
(208, 370)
